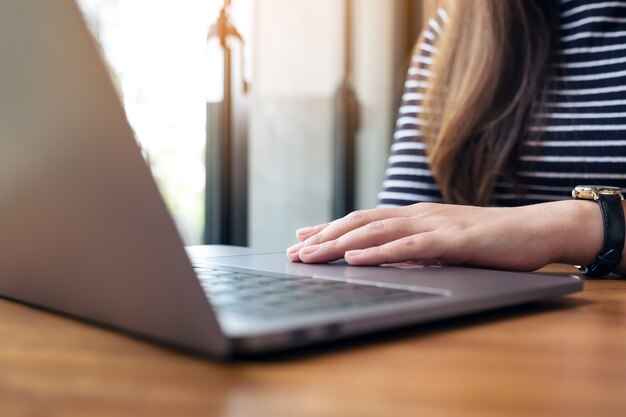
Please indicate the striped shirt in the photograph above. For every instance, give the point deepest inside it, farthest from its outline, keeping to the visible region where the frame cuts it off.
(582, 123)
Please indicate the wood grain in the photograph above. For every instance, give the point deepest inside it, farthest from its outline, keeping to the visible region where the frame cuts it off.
(563, 357)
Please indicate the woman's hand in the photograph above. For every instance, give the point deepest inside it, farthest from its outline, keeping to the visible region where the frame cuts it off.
(516, 238)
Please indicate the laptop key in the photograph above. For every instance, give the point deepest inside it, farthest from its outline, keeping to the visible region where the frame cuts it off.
(264, 295)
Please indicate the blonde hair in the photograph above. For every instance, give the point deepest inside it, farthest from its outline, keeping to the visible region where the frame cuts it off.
(488, 75)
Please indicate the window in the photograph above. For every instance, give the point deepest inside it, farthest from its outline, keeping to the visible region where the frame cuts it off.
(157, 53)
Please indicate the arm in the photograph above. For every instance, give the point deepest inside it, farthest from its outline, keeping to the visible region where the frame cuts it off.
(518, 238)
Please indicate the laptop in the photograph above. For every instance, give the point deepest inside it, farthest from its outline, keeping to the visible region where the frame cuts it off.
(85, 232)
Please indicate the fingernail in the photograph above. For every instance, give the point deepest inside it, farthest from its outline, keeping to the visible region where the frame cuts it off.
(308, 250)
(295, 248)
(353, 253)
(293, 257)
(305, 231)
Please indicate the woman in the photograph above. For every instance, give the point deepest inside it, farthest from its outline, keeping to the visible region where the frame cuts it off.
(517, 102)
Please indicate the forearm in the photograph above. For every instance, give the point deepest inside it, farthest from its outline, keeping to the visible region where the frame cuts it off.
(521, 238)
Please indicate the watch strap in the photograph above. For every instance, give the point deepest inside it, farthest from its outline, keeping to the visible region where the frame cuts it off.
(613, 243)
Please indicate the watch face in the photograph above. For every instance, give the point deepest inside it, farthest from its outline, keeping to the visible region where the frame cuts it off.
(593, 192)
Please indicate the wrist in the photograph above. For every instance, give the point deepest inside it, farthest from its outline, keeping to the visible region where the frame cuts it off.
(583, 232)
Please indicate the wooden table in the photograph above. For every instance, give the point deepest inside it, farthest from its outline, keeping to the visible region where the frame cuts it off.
(565, 357)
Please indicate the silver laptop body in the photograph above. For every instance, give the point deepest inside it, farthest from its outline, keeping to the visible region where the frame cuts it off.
(84, 230)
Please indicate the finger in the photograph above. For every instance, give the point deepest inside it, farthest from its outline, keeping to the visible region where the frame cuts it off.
(372, 234)
(353, 221)
(419, 247)
(306, 232)
(292, 252)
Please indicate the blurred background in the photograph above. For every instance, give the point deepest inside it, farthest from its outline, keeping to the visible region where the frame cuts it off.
(258, 117)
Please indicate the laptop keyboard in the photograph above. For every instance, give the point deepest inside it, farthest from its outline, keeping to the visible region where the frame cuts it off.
(244, 292)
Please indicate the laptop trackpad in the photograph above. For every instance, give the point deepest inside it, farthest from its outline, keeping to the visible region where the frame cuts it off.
(278, 262)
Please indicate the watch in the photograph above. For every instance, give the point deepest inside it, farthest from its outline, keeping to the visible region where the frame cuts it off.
(610, 201)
